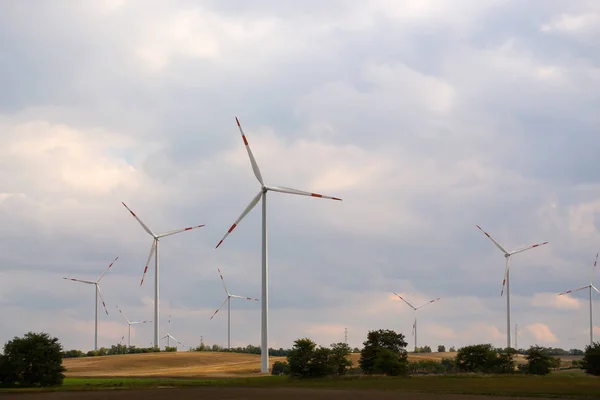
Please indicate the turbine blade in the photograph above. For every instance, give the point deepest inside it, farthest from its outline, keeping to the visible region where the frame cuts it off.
(594, 287)
(594, 270)
(528, 248)
(123, 314)
(152, 248)
(223, 303)
(246, 211)
(111, 264)
(252, 159)
(505, 276)
(493, 240)
(179, 231)
(140, 221)
(429, 302)
(574, 290)
(80, 280)
(244, 298)
(101, 298)
(404, 300)
(223, 282)
(287, 190)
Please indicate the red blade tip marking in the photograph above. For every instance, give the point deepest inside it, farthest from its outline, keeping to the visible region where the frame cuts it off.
(238, 122)
(245, 140)
(316, 195)
(232, 228)
(335, 198)
(219, 244)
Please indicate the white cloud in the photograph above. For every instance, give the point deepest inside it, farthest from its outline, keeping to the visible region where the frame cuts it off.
(552, 300)
(542, 333)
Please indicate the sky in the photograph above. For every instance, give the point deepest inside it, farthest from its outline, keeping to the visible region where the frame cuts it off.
(426, 117)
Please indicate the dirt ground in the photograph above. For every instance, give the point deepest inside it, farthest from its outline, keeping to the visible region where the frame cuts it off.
(224, 393)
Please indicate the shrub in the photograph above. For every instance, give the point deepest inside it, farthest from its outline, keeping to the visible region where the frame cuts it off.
(280, 368)
(33, 360)
(591, 359)
(171, 349)
(73, 354)
(384, 352)
(441, 348)
(538, 361)
(485, 358)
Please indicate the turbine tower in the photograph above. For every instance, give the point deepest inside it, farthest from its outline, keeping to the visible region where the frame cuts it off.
(262, 194)
(228, 300)
(590, 286)
(129, 323)
(154, 252)
(98, 292)
(506, 281)
(414, 331)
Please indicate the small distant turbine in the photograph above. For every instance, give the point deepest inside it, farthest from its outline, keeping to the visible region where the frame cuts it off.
(228, 301)
(98, 293)
(506, 281)
(590, 286)
(415, 314)
(169, 337)
(129, 323)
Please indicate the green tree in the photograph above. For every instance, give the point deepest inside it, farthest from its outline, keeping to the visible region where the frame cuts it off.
(505, 361)
(319, 363)
(300, 357)
(452, 349)
(33, 360)
(384, 351)
(539, 362)
(591, 359)
(441, 348)
(279, 368)
(477, 358)
(338, 358)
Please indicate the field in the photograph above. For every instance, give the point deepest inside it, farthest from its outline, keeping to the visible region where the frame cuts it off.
(210, 375)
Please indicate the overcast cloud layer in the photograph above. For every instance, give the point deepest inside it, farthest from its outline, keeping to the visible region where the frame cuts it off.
(426, 117)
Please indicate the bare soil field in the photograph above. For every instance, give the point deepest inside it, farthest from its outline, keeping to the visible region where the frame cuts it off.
(225, 393)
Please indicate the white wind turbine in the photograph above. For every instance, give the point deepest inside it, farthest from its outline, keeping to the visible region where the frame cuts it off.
(228, 300)
(590, 287)
(154, 252)
(169, 337)
(506, 281)
(415, 314)
(262, 194)
(97, 285)
(129, 323)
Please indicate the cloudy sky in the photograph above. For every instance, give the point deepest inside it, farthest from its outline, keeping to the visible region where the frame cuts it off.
(426, 117)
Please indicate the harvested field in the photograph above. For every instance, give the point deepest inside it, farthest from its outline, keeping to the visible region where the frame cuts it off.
(224, 393)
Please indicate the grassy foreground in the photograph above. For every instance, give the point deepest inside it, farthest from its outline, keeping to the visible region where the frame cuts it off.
(574, 385)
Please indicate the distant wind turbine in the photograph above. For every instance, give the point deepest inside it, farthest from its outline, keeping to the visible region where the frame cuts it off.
(415, 314)
(154, 252)
(228, 301)
(169, 337)
(507, 255)
(590, 286)
(129, 323)
(262, 194)
(98, 293)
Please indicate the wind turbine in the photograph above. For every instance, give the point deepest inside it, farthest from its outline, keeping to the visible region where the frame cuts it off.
(506, 281)
(262, 194)
(415, 313)
(169, 337)
(98, 292)
(228, 300)
(590, 287)
(154, 252)
(129, 323)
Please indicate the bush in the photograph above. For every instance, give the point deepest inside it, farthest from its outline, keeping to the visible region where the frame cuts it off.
(384, 352)
(484, 358)
(171, 349)
(306, 360)
(280, 368)
(73, 354)
(538, 361)
(591, 359)
(441, 348)
(32, 361)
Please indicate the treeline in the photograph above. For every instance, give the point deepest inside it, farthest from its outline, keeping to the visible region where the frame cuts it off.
(384, 353)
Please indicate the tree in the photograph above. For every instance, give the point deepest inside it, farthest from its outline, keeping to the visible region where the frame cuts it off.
(300, 357)
(539, 362)
(441, 348)
(338, 358)
(33, 360)
(452, 349)
(384, 352)
(591, 359)
(485, 358)
(279, 368)
(319, 364)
